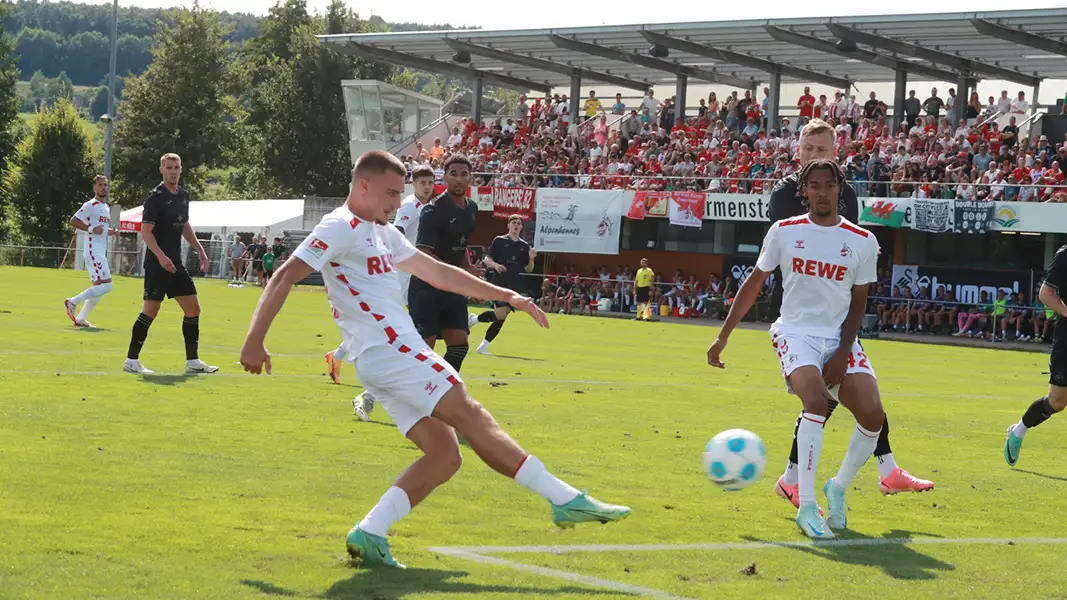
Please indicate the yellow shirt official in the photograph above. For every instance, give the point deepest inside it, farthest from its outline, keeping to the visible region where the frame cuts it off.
(644, 277)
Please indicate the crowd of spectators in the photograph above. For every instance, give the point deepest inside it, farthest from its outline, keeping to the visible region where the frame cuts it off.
(941, 149)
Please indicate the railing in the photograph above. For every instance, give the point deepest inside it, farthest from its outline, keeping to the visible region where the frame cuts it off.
(979, 321)
(411, 138)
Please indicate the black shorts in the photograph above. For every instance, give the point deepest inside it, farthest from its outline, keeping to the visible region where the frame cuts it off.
(1057, 360)
(257, 264)
(642, 294)
(433, 310)
(158, 283)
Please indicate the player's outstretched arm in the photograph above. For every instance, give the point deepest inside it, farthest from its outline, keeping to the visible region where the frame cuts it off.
(254, 355)
(453, 279)
(743, 301)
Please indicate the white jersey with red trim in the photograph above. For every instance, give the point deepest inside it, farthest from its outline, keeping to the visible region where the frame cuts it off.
(407, 217)
(820, 265)
(357, 260)
(95, 213)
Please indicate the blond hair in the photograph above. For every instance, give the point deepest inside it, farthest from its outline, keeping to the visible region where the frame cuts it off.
(169, 156)
(815, 127)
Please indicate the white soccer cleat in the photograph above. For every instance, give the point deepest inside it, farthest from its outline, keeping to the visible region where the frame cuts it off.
(84, 324)
(363, 405)
(70, 308)
(472, 320)
(198, 366)
(483, 348)
(134, 366)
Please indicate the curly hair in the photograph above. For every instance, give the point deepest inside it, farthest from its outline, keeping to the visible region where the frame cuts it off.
(821, 164)
(458, 159)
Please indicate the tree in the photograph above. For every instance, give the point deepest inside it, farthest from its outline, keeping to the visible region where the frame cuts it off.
(50, 173)
(60, 88)
(181, 104)
(9, 107)
(297, 134)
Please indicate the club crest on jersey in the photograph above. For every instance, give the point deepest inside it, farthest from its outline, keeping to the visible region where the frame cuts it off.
(845, 250)
(800, 244)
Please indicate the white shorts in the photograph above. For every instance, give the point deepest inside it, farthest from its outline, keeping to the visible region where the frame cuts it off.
(800, 350)
(407, 377)
(98, 268)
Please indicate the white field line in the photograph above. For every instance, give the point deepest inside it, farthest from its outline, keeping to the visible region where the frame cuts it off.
(479, 554)
(595, 582)
(237, 372)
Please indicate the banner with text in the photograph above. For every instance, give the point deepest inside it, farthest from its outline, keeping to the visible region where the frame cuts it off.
(579, 221)
(513, 201)
(966, 284)
(687, 208)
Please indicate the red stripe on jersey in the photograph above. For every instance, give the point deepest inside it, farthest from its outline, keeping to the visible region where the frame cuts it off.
(421, 357)
(437, 367)
(334, 265)
(389, 331)
(353, 290)
(342, 277)
(377, 317)
(453, 380)
(364, 307)
(854, 229)
(799, 221)
(354, 222)
(404, 349)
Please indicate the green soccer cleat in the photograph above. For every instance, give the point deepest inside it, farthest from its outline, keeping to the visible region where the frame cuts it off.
(836, 507)
(585, 508)
(372, 550)
(1012, 445)
(812, 524)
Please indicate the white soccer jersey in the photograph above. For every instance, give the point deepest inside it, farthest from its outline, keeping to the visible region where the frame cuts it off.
(95, 213)
(357, 261)
(820, 265)
(407, 217)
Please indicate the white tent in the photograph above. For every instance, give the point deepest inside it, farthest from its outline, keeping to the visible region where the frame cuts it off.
(212, 220)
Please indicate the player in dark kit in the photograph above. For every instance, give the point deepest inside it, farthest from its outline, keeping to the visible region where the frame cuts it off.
(445, 227)
(509, 256)
(1056, 400)
(164, 223)
(817, 141)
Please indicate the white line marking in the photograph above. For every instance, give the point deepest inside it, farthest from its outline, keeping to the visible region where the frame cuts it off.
(596, 582)
(917, 541)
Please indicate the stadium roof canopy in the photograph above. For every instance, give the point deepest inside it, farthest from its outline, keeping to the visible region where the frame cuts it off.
(1022, 46)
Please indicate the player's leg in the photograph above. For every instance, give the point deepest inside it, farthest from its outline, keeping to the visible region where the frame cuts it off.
(100, 279)
(453, 327)
(139, 333)
(504, 455)
(1042, 408)
(806, 382)
(786, 487)
(185, 296)
(500, 315)
(859, 393)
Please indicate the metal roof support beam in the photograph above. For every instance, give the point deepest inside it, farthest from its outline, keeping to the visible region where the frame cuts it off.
(546, 65)
(681, 86)
(744, 60)
(437, 66)
(900, 90)
(814, 43)
(774, 102)
(477, 100)
(949, 60)
(649, 62)
(1015, 36)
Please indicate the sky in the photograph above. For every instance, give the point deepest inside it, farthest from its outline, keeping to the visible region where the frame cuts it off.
(490, 14)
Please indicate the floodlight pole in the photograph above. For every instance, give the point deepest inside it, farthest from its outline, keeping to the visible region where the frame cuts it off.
(109, 124)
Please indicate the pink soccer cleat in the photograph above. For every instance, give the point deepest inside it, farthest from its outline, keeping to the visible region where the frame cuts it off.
(902, 481)
(70, 306)
(788, 492)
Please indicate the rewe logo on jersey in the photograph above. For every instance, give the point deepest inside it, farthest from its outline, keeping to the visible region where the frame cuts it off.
(379, 265)
(818, 268)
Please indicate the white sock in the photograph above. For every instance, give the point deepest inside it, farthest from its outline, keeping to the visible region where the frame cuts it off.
(393, 506)
(87, 293)
(790, 475)
(339, 354)
(860, 447)
(809, 447)
(1019, 430)
(533, 476)
(483, 345)
(87, 308)
(886, 465)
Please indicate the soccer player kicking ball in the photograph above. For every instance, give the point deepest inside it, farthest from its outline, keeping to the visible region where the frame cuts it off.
(507, 258)
(817, 141)
(359, 253)
(1056, 400)
(93, 218)
(827, 263)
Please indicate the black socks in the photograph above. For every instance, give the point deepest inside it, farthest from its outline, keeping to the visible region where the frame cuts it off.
(139, 335)
(191, 333)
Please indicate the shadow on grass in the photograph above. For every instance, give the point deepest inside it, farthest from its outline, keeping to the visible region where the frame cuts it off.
(1040, 475)
(526, 358)
(897, 560)
(162, 379)
(92, 329)
(399, 584)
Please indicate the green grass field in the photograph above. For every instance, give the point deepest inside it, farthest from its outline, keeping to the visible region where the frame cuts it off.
(233, 486)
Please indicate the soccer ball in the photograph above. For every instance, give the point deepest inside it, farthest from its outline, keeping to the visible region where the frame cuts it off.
(735, 459)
